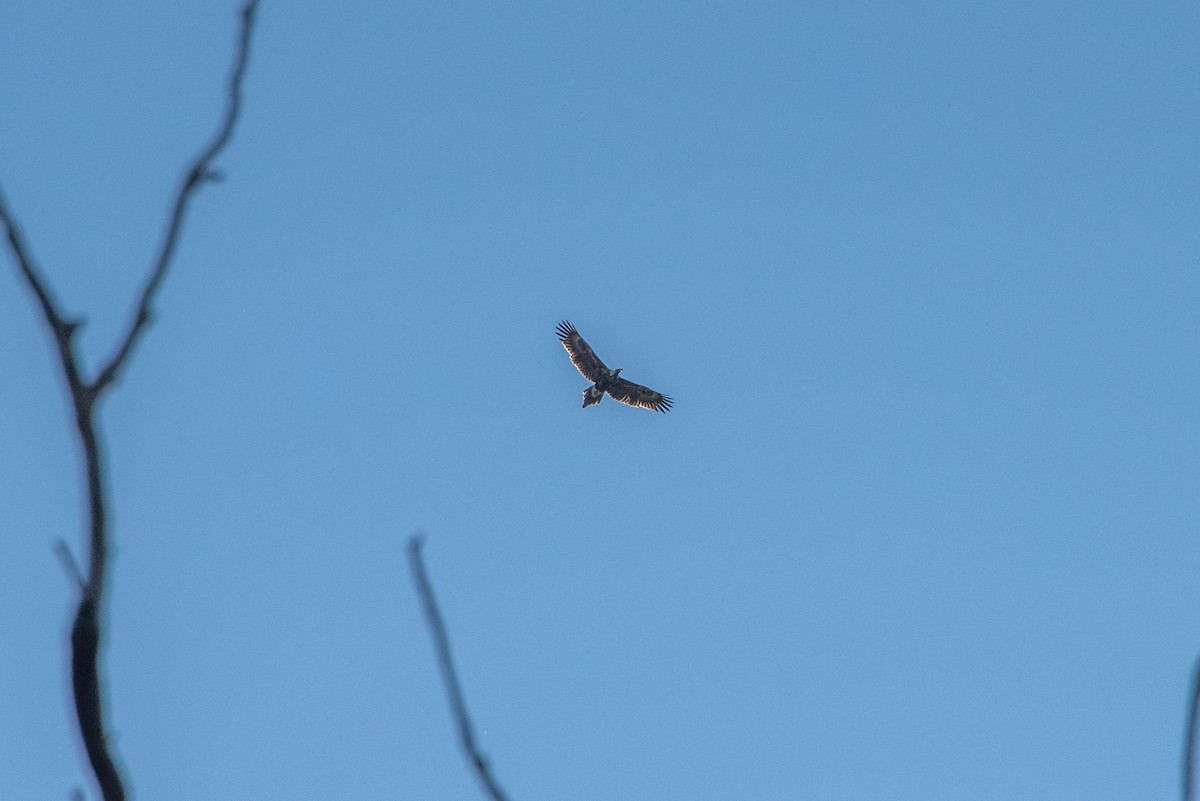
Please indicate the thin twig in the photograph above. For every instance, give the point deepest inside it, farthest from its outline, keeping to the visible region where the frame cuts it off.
(1189, 736)
(62, 329)
(87, 631)
(200, 171)
(446, 663)
(69, 564)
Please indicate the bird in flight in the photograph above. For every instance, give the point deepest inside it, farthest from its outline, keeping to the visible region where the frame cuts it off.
(605, 380)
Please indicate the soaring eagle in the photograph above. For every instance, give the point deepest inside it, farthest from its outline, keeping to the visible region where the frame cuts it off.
(605, 380)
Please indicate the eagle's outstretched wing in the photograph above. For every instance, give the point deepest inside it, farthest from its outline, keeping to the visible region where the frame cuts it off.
(637, 395)
(582, 355)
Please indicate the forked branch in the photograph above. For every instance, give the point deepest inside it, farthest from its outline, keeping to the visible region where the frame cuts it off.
(87, 630)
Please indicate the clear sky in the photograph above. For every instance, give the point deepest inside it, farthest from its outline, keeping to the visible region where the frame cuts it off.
(921, 277)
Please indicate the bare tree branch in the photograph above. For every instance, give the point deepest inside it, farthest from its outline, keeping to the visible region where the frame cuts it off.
(446, 664)
(1189, 737)
(200, 171)
(87, 632)
(69, 563)
(62, 329)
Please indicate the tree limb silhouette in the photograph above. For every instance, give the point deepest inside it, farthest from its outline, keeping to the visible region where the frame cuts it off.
(466, 731)
(1189, 736)
(201, 170)
(87, 631)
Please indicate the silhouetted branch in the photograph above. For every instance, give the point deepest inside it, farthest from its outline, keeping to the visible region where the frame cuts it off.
(1189, 736)
(69, 563)
(446, 663)
(86, 632)
(199, 172)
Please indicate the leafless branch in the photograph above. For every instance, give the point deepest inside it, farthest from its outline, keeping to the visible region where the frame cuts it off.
(1189, 737)
(69, 564)
(200, 171)
(86, 632)
(446, 664)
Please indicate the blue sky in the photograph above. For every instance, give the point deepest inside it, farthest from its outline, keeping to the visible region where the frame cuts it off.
(922, 279)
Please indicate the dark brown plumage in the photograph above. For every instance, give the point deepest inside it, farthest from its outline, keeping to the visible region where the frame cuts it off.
(605, 380)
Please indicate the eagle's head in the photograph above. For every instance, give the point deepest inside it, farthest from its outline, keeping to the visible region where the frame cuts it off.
(617, 372)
